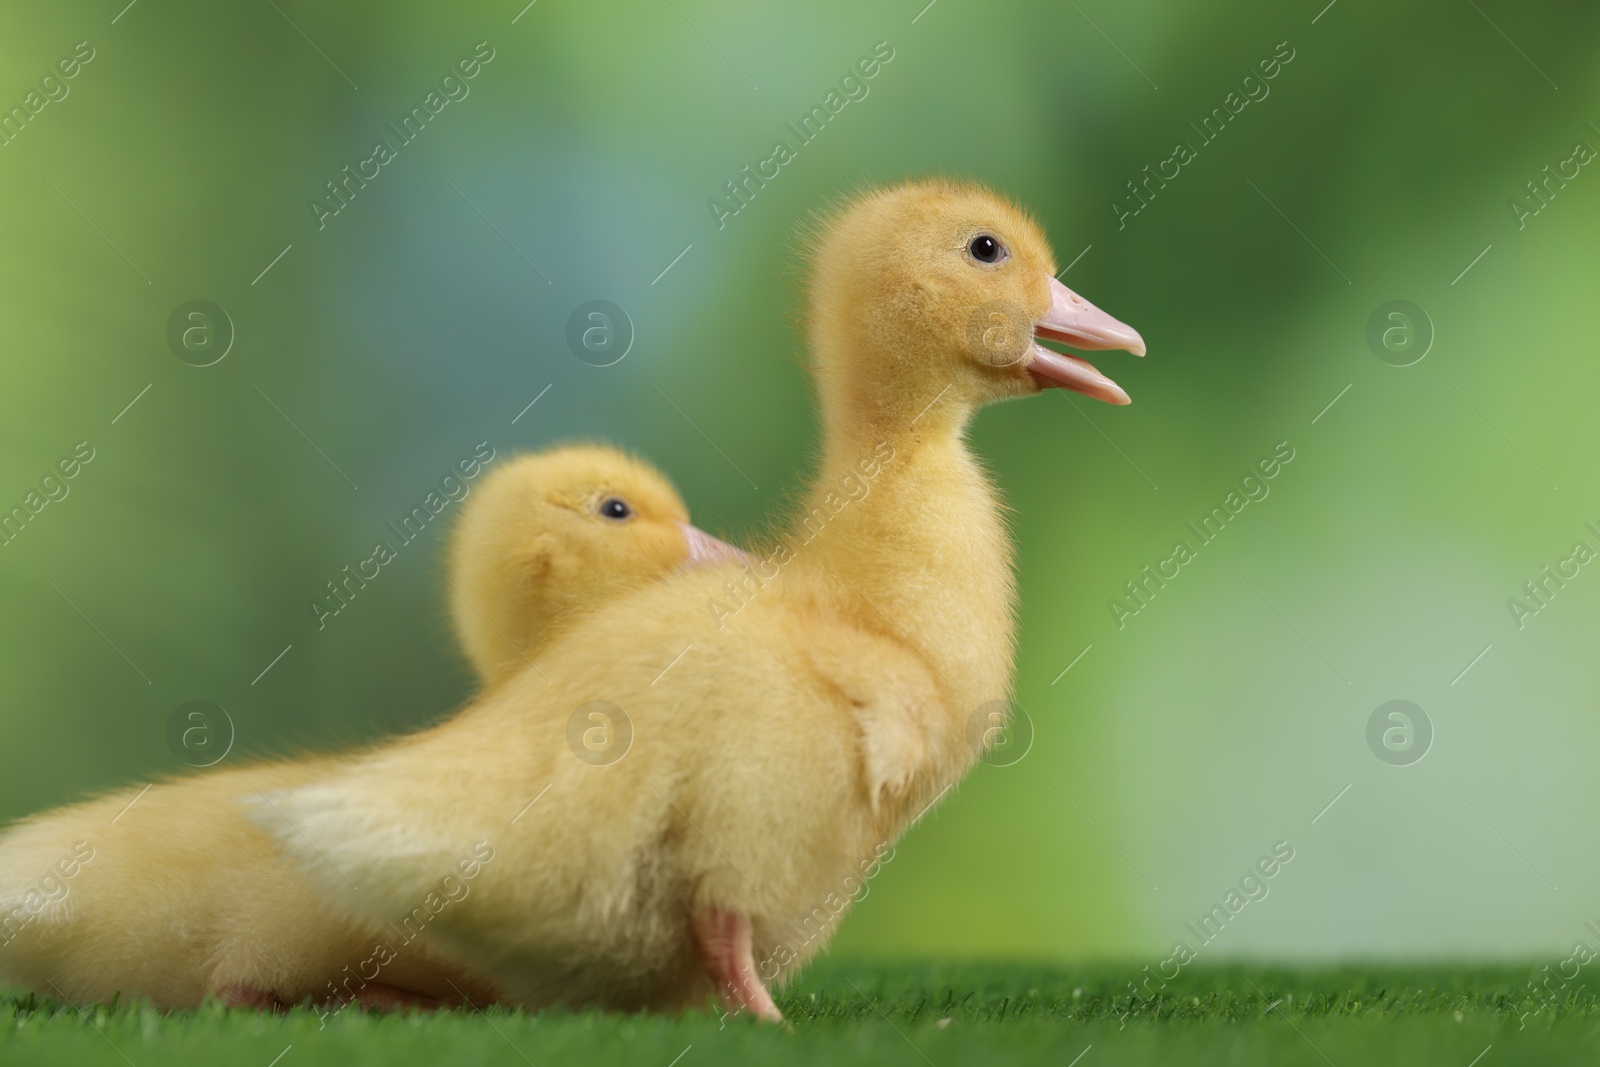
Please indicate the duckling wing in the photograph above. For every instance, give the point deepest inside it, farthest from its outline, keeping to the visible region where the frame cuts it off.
(367, 838)
(896, 704)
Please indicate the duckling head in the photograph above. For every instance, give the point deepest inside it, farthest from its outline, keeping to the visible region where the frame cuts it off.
(943, 289)
(551, 534)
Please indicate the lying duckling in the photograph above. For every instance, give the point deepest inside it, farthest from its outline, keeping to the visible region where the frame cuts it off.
(764, 752)
(549, 535)
(180, 898)
(172, 895)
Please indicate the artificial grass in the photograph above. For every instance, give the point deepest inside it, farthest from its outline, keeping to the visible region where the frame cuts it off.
(939, 1014)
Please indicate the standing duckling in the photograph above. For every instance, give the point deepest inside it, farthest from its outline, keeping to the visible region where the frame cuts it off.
(548, 535)
(169, 894)
(760, 753)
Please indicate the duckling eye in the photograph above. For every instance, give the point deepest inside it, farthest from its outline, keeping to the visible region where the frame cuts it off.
(615, 508)
(986, 249)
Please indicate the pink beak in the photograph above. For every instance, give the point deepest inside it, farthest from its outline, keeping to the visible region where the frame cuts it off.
(705, 549)
(1074, 321)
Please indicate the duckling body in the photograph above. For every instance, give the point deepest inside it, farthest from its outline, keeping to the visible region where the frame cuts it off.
(774, 746)
(182, 897)
(606, 891)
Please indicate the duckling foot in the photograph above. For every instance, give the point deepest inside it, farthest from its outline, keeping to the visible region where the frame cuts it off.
(725, 950)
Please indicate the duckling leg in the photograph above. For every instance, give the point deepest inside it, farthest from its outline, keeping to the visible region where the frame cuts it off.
(724, 942)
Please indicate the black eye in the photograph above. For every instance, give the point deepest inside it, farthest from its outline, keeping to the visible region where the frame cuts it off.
(986, 249)
(615, 508)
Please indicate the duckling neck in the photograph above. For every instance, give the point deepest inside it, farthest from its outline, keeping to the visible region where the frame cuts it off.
(907, 522)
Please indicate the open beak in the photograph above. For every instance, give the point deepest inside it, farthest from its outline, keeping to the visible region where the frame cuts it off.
(1074, 321)
(704, 549)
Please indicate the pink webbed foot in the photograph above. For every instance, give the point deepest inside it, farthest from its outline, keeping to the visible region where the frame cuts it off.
(725, 949)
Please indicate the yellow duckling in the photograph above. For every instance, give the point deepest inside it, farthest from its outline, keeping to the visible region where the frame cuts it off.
(169, 894)
(549, 535)
(685, 788)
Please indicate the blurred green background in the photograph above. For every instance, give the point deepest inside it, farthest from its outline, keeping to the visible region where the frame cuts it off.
(430, 311)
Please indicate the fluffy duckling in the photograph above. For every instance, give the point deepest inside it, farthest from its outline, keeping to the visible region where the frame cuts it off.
(689, 789)
(548, 535)
(170, 894)
(167, 894)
